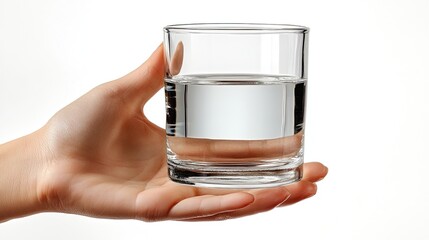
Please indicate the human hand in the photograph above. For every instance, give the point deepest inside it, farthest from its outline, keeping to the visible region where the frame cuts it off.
(100, 156)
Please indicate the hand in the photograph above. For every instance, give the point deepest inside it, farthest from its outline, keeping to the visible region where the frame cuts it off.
(100, 156)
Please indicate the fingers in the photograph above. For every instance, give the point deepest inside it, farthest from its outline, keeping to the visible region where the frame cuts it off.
(268, 199)
(178, 202)
(306, 188)
(300, 191)
(142, 83)
(204, 206)
(314, 171)
(154, 204)
(265, 200)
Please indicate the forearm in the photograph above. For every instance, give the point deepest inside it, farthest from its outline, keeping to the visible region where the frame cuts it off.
(20, 164)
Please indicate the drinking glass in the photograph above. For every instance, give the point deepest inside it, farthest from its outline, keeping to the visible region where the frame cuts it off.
(235, 103)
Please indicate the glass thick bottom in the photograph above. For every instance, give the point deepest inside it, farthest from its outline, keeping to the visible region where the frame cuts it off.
(261, 174)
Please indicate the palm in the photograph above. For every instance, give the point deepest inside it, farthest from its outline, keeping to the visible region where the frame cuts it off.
(108, 155)
(109, 161)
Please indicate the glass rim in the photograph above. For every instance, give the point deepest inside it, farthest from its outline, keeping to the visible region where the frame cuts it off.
(235, 28)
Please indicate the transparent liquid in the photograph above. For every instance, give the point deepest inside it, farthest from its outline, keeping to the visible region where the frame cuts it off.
(235, 131)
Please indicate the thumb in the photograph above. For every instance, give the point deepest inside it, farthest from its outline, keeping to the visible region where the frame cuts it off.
(147, 79)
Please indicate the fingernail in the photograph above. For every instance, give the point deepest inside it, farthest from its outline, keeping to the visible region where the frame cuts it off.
(288, 195)
(312, 190)
(325, 172)
(326, 169)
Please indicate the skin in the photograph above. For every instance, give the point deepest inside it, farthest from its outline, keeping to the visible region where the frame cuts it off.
(101, 157)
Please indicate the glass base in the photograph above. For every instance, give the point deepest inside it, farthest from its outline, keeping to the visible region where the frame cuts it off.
(261, 174)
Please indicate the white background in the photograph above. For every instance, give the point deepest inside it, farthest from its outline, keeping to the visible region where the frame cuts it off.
(366, 119)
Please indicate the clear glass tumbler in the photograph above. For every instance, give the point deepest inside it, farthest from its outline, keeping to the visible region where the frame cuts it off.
(235, 103)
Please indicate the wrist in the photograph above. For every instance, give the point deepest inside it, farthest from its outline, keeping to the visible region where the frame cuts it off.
(22, 163)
